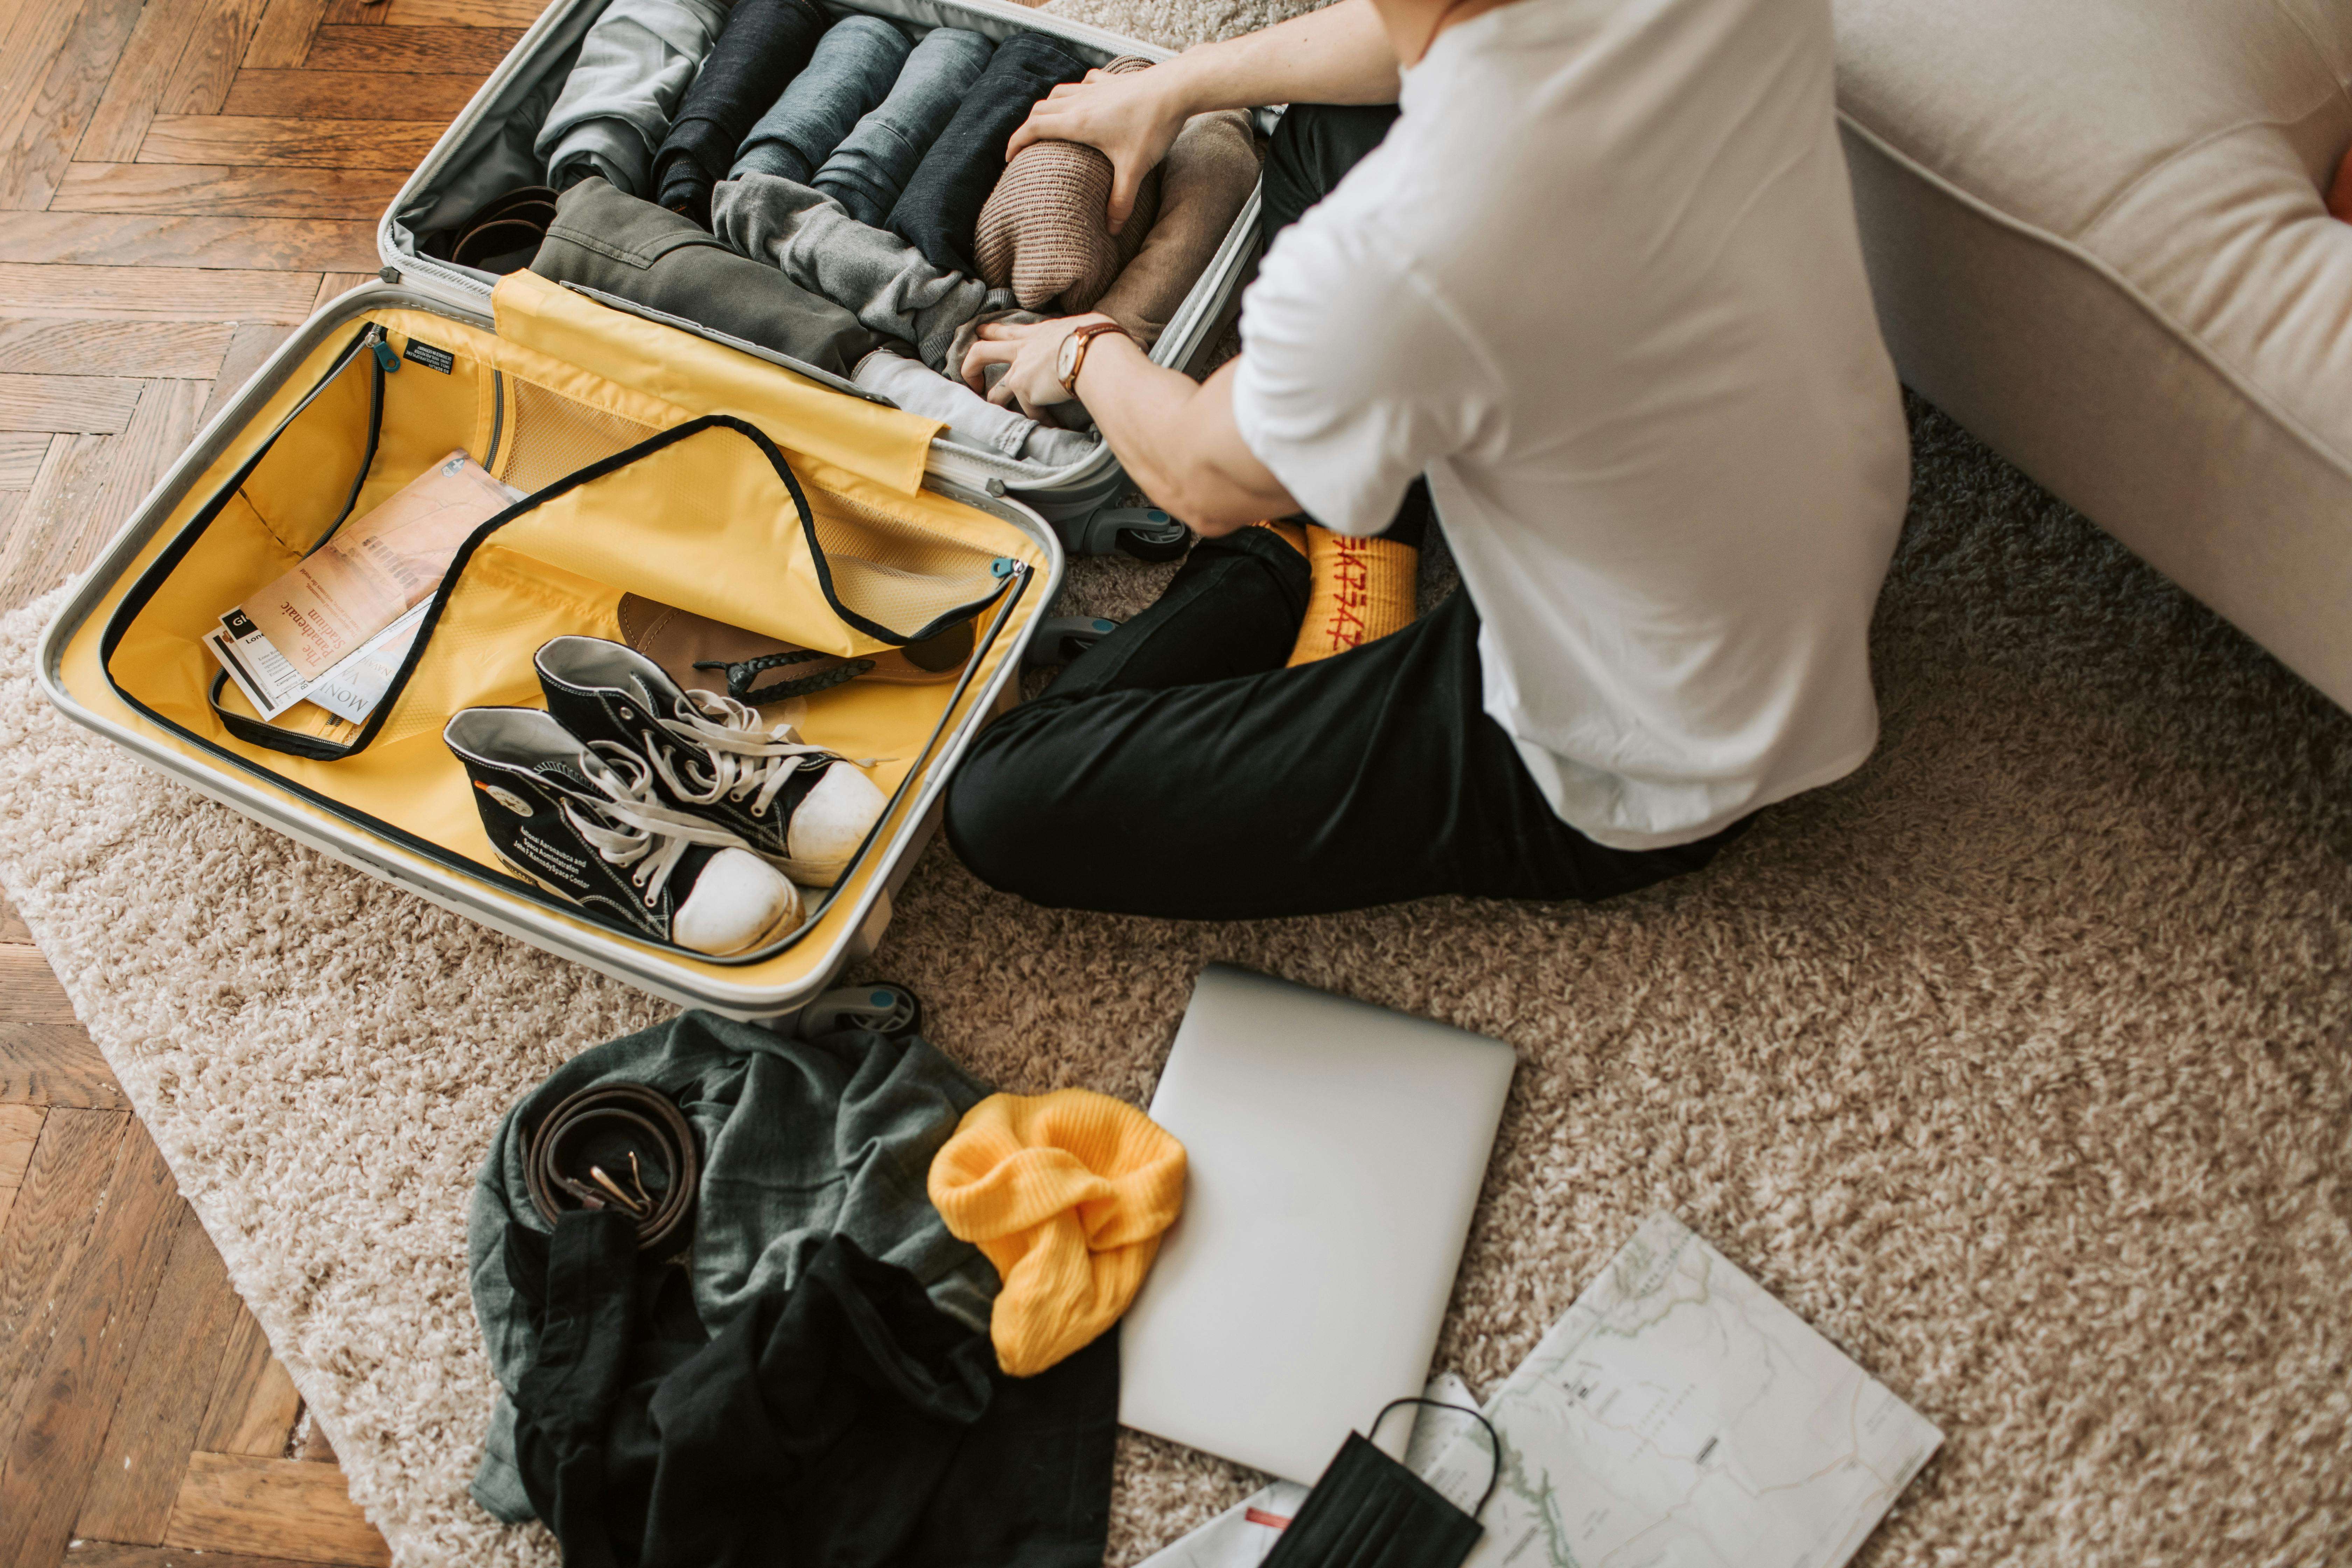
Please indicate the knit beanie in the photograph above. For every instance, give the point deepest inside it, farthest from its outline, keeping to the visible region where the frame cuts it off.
(1045, 231)
(1067, 1193)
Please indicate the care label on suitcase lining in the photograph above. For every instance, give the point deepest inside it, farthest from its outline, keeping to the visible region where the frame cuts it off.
(430, 357)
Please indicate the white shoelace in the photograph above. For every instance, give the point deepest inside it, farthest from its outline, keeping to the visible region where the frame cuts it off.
(649, 836)
(738, 758)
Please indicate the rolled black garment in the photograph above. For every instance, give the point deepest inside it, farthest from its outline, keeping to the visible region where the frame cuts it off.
(765, 43)
(939, 208)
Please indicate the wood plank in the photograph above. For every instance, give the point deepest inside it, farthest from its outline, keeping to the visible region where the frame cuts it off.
(201, 80)
(77, 405)
(334, 284)
(320, 144)
(37, 152)
(116, 1554)
(56, 1215)
(153, 1429)
(234, 1502)
(128, 106)
(285, 33)
(21, 452)
(12, 924)
(11, 503)
(32, 34)
(62, 530)
(314, 1447)
(353, 13)
(20, 1129)
(458, 51)
(253, 341)
(92, 1328)
(156, 293)
(45, 1056)
(349, 95)
(463, 13)
(191, 351)
(253, 1406)
(222, 190)
(295, 245)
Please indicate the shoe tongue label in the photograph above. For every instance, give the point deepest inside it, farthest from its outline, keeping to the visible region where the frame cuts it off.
(428, 356)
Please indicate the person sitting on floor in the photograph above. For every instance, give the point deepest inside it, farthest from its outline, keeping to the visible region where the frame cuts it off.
(1596, 276)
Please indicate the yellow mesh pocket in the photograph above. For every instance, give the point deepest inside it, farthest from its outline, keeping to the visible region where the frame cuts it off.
(896, 573)
(549, 435)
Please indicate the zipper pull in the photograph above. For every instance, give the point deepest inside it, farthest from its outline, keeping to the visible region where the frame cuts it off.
(386, 361)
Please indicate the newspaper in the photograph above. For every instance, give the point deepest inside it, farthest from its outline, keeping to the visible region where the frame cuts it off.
(334, 630)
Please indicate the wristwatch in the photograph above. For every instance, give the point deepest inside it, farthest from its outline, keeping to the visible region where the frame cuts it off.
(1073, 351)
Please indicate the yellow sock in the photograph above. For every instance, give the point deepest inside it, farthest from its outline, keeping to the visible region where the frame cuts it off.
(1290, 532)
(1363, 591)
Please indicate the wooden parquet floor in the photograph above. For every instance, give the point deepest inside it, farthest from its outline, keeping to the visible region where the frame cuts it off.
(181, 183)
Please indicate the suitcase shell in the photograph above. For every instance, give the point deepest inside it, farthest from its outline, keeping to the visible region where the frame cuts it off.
(1068, 497)
(768, 990)
(73, 674)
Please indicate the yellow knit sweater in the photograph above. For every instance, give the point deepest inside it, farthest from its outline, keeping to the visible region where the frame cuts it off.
(1067, 1193)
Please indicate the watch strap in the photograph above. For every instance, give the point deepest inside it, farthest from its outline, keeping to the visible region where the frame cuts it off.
(1083, 337)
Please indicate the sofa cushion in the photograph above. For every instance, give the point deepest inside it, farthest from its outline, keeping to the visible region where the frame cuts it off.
(2097, 234)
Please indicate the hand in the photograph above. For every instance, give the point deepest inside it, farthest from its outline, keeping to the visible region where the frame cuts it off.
(1130, 119)
(1032, 354)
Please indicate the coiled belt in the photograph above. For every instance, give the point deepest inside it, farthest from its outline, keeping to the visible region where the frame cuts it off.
(622, 1146)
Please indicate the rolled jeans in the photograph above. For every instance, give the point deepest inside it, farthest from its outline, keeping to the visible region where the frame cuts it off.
(940, 205)
(852, 71)
(874, 160)
(1181, 768)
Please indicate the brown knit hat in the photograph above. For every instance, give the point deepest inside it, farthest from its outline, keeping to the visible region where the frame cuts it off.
(1045, 231)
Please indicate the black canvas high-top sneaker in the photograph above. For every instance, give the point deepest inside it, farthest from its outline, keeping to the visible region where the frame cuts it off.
(589, 826)
(804, 809)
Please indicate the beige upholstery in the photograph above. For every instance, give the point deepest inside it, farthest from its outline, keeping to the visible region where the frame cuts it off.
(2095, 234)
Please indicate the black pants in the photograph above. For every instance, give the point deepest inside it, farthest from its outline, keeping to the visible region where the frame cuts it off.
(1178, 769)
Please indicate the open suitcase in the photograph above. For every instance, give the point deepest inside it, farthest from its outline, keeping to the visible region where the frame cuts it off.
(656, 461)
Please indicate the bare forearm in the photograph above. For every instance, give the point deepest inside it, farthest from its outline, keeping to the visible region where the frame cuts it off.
(1337, 55)
(1177, 440)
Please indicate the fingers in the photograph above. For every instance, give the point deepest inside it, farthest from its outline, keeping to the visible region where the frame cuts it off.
(982, 355)
(1001, 393)
(1125, 180)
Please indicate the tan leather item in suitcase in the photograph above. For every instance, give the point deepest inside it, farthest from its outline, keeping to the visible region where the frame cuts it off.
(700, 653)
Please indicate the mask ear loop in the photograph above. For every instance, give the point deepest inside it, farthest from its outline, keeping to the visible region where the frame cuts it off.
(1494, 1479)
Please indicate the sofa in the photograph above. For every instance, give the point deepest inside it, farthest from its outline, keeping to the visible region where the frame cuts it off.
(2096, 235)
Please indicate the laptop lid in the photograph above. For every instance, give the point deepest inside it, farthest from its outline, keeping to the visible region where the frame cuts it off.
(1336, 1151)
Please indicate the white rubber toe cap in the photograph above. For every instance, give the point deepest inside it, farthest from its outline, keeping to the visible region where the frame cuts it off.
(737, 903)
(831, 821)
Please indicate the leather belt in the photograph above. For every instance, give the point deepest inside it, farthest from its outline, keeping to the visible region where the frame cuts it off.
(619, 1145)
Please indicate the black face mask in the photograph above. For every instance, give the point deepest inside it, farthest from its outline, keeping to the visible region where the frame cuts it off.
(1369, 1511)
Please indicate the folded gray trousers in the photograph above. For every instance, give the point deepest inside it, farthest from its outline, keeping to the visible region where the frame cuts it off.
(883, 280)
(970, 418)
(634, 65)
(661, 260)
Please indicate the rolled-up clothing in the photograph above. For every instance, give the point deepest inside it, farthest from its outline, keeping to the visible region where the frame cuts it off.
(1204, 183)
(874, 162)
(1045, 233)
(852, 71)
(940, 205)
(765, 47)
(613, 242)
(634, 66)
(881, 279)
(970, 418)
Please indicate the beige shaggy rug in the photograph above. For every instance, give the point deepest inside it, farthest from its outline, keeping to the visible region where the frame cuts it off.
(2016, 1063)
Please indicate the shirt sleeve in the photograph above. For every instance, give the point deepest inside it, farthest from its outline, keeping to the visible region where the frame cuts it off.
(1354, 376)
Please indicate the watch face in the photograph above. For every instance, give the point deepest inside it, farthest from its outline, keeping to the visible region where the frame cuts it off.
(1068, 359)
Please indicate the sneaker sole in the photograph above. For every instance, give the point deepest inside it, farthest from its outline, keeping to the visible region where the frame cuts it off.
(783, 928)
